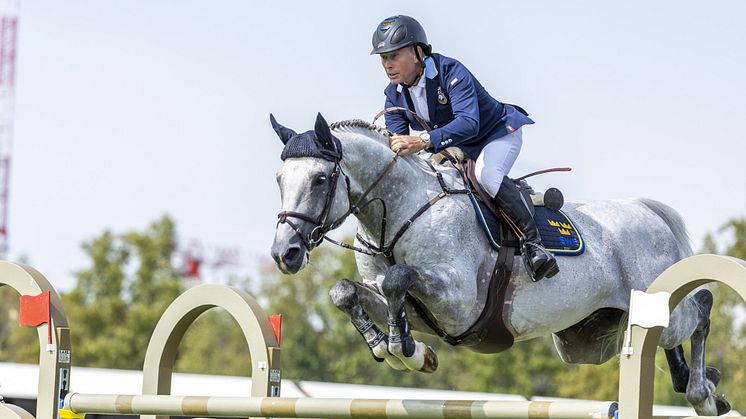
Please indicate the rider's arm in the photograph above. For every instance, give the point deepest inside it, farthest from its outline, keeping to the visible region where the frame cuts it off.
(395, 121)
(463, 96)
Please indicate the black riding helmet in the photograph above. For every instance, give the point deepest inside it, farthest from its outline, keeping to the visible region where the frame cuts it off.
(398, 32)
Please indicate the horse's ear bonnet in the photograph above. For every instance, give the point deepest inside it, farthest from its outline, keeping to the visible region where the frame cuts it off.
(284, 133)
(317, 143)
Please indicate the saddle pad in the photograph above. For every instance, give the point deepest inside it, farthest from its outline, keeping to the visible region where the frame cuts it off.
(558, 233)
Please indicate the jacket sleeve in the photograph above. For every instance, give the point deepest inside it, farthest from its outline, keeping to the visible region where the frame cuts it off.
(465, 106)
(395, 121)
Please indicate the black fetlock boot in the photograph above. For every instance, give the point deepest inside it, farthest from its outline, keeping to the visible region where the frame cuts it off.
(539, 262)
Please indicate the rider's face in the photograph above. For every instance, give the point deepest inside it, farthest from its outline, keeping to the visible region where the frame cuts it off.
(401, 66)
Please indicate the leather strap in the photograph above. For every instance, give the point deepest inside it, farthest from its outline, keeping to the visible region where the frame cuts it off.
(540, 172)
(419, 119)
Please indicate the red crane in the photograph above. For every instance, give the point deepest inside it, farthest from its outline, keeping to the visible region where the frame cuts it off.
(8, 42)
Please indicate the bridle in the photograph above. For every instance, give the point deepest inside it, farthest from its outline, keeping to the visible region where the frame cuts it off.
(322, 226)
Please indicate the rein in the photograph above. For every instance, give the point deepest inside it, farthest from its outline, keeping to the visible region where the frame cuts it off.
(388, 250)
(398, 109)
(382, 248)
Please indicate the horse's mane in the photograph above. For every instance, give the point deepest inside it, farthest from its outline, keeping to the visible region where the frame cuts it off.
(379, 134)
(383, 133)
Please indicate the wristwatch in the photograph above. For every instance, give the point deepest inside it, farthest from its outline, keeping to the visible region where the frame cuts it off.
(425, 137)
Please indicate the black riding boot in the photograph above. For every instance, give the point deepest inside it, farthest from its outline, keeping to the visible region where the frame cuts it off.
(539, 262)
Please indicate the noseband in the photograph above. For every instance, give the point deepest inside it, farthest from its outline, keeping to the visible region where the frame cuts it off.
(321, 226)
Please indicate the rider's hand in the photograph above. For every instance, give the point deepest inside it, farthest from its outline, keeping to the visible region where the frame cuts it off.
(405, 145)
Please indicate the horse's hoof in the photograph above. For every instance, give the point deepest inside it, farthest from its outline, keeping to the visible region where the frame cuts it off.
(721, 404)
(713, 374)
(431, 361)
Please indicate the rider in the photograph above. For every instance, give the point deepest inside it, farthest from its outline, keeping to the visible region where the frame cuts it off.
(461, 112)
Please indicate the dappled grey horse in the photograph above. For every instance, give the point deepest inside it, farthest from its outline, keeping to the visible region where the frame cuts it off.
(444, 261)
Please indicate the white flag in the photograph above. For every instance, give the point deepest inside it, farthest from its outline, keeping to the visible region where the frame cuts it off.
(649, 310)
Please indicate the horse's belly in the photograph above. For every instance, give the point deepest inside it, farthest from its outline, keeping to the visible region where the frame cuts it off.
(585, 284)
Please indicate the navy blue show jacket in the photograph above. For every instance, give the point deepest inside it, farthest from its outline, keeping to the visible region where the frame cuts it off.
(469, 119)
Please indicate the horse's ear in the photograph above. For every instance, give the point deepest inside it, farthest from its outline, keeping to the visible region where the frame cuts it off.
(323, 134)
(284, 133)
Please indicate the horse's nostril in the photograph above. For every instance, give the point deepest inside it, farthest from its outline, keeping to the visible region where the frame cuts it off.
(290, 255)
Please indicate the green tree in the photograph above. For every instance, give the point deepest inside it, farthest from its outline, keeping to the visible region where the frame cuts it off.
(117, 301)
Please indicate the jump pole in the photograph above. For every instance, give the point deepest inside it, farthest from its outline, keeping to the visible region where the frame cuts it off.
(334, 408)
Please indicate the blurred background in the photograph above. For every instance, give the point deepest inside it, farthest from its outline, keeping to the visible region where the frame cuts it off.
(137, 159)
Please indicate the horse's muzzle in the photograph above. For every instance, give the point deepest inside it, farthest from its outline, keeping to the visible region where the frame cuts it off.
(289, 259)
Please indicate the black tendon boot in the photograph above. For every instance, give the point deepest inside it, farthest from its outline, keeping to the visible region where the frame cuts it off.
(539, 262)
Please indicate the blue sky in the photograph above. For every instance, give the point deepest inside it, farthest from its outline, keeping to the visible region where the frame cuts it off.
(129, 110)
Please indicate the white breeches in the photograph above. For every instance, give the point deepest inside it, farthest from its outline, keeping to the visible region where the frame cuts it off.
(496, 159)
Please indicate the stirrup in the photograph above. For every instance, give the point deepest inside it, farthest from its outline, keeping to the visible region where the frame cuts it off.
(547, 269)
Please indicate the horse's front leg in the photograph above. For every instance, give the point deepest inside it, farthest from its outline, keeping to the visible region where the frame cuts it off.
(347, 296)
(414, 354)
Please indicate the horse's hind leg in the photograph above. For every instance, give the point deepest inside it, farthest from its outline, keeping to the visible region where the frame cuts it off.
(346, 296)
(415, 355)
(700, 390)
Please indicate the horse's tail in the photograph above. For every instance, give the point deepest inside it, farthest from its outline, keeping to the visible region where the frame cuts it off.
(674, 222)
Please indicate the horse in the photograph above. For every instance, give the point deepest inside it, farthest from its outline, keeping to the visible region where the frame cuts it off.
(442, 260)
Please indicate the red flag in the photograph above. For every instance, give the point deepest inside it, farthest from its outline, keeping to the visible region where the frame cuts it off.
(276, 321)
(34, 309)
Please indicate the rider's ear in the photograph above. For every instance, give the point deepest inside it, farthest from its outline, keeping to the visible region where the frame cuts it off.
(323, 134)
(284, 133)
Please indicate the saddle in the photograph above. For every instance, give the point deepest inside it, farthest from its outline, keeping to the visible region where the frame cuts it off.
(489, 334)
(558, 233)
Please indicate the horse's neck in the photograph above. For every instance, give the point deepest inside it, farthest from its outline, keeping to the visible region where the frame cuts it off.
(403, 188)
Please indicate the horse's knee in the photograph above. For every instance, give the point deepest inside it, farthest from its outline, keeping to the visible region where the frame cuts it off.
(344, 295)
(688, 318)
(705, 300)
(397, 281)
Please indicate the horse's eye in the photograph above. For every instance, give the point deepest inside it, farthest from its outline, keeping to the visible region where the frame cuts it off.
(320, 180)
